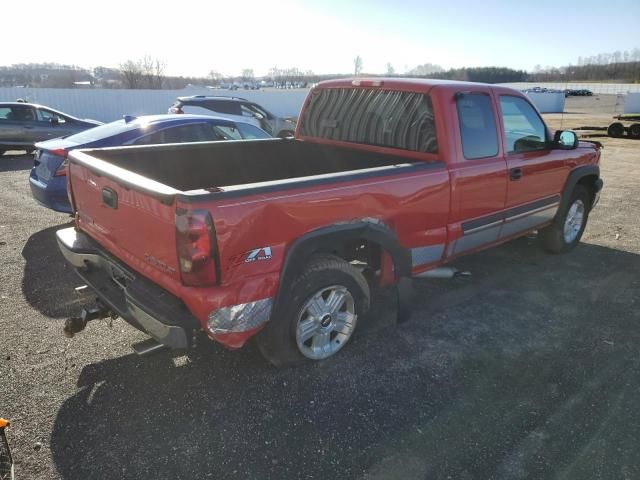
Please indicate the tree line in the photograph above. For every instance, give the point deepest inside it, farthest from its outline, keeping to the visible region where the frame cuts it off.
(149, 73)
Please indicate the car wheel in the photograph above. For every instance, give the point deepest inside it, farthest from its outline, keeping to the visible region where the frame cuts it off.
(568, 226)
(634, 131)
(615, 130)
(318, 313)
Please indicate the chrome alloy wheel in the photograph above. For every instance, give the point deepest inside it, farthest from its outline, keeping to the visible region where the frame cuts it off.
(326, 322)
(573, 222)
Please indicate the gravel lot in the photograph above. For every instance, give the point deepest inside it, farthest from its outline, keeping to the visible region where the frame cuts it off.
(527, 369)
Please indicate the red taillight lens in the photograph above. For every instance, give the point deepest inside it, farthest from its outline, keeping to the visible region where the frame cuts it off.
(61, 171)
(196, 244)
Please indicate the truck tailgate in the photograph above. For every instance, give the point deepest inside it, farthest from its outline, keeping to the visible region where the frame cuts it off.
(134, 225)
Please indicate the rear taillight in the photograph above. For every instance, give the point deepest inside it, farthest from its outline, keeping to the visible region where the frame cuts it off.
(61, 171)
(196, 245)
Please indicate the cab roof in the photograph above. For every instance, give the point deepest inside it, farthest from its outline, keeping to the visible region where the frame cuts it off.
(423, 84)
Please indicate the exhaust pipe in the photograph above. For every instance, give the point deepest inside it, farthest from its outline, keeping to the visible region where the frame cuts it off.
(443, 272)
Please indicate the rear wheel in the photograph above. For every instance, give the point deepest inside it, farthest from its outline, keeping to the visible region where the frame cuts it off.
(567, 228)
(615, 130)
(634, 131)
(318, 315)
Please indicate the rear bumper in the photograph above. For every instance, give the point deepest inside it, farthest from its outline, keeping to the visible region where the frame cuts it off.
(137, 300)
(52, 195)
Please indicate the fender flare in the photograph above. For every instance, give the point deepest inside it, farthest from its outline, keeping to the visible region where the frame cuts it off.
(325, 237)
(574, 177)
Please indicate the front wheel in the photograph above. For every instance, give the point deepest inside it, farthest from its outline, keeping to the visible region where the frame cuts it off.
(567, 228)
(318, 313)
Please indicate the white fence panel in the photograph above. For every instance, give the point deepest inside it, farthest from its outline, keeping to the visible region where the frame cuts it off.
(107, 105)
(632, 103)
(547, 102)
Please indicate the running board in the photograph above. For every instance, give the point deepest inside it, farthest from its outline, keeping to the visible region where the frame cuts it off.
(147, 347)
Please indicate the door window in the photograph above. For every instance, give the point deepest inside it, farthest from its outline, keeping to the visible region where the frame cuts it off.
(18, 113)
(478, 130)
(524, 131)
(47, 116)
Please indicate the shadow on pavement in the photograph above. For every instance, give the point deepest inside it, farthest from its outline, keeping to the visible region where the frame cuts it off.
(528, 369)
(12, 163)
(48, 280)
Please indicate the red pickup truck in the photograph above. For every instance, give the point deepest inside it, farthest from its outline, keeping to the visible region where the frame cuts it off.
(286, 239)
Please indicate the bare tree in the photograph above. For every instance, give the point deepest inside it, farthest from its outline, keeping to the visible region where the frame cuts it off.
(132, 75)
(147, 72)
(357, 65)
(247, 74)
(390, 69)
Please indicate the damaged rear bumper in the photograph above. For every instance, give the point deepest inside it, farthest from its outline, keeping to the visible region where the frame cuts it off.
(152, 309)
(137, 300)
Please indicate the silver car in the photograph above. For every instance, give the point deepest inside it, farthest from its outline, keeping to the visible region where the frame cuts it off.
(238, 109)
(22, 125)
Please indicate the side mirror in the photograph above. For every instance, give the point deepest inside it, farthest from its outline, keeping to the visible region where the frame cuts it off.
(566, 139)
(54, 121)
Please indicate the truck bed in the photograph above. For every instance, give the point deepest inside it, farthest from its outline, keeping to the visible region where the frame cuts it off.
(188, 167)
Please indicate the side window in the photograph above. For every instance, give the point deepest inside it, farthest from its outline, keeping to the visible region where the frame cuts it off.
(251, 132)
(227, 132)
(5, 113)
(524, 131)
(198, 132)
(224, 106)
(47, 116)
(20, 114)
(477, 126)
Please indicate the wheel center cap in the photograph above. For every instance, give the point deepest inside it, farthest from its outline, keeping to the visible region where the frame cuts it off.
(325, 321)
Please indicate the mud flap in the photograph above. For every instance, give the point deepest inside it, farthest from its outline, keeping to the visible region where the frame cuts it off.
(405, 295)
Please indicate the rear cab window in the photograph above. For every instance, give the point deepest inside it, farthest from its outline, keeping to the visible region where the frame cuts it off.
(385, 118)
(478, 132)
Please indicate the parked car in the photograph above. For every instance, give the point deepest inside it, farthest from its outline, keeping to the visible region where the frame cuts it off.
(48, 176)
(23, 124)
(287, 240)
(236, 108)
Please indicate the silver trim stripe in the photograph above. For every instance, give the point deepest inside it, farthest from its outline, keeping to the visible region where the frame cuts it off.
(427, 254)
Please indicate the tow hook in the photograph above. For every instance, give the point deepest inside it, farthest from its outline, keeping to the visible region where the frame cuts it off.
(75, 325)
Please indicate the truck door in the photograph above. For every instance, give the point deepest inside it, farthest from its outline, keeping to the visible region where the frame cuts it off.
(478, 173)
(536, 171)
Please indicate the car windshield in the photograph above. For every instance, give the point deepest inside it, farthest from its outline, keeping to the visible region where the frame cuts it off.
(103, 131)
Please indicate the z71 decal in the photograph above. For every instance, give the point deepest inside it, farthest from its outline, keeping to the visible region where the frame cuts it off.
(263, 253)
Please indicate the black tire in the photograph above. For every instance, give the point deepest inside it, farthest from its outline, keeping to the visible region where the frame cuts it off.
(277, 341)
(615, 130)
(634, 131)
(552, 237)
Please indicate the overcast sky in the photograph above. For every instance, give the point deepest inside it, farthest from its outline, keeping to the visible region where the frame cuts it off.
(194, 37)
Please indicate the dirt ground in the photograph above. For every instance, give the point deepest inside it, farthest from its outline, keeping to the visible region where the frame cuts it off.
(528, 369)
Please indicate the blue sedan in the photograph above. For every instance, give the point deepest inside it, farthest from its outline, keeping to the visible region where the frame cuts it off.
(48, 178)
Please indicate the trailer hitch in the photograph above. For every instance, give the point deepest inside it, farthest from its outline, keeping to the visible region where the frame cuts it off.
(75, 325)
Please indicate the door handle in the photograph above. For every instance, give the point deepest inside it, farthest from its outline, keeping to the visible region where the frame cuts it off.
(515, 173)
